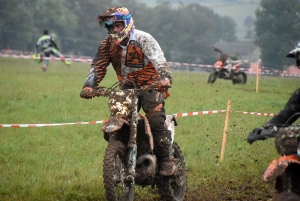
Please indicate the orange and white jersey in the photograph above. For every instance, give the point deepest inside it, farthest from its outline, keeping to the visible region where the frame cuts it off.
(141, 60)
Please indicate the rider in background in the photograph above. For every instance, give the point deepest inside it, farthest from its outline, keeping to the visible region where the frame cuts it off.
(225, 63)
(136, 56)
(45, 47)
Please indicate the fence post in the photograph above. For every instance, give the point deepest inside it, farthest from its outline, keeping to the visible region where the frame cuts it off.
(225, 130)
(257, 70)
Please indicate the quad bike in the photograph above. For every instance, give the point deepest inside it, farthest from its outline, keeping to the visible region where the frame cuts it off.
(228, 71)
(130, 158)
(237, 76)
(286, 169)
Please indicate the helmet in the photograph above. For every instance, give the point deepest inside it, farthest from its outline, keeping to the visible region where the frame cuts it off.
(114, 14)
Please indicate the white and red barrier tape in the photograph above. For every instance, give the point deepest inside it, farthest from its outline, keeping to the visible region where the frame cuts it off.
(174, 64)
(187, 114)
(257, 113)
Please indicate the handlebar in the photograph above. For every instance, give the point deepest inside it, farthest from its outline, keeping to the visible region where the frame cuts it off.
(269, 130)
(266, 132)
(104, 91)
(262, 134)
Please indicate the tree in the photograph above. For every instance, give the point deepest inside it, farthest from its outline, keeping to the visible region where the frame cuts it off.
(277, 30)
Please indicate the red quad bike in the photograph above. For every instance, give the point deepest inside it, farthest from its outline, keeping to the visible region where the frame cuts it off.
(286, 169)
(130, 158)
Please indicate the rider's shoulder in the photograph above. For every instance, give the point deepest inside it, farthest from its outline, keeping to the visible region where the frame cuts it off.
(140, 35)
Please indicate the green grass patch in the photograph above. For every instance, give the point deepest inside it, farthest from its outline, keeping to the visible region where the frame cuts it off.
(65, 162)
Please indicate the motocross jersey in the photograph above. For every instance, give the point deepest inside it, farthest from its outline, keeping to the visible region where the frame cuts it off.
(141, 60)
(45, 42)
(291, 107)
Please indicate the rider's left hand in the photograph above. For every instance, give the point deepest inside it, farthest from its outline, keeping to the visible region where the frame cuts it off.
(166, 94)
(164, 85)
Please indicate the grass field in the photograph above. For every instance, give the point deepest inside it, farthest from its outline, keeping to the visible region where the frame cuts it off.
(65, 162)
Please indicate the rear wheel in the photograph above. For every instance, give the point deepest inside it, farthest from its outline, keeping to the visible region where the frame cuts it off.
(114, 172)
(174, 187)
(239, 78)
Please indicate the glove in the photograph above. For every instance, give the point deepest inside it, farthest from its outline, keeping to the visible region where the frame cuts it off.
(87, 93)
(252, 135)
(164, 85)
(166, 94)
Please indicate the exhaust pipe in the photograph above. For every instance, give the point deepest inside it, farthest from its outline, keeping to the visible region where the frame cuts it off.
(150, 161)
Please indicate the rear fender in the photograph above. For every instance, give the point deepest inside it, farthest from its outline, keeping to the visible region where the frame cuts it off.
(277, 167)
(113, 124)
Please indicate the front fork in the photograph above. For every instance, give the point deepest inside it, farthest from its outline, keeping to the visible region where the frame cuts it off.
(132, 147)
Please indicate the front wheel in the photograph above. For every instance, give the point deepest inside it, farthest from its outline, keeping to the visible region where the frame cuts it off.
(212, 77)
(239, 78)
(114, 172)
(174, 187)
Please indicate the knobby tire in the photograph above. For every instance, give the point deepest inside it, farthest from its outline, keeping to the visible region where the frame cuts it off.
(114, 169)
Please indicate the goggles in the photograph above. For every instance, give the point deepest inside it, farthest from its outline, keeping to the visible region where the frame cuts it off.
(109, 20)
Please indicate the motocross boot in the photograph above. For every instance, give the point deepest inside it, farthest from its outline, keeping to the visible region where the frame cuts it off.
(167, 167)
(167, 164)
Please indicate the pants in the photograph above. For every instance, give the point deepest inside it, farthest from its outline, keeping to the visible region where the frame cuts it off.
(152, 103)
(46, 54)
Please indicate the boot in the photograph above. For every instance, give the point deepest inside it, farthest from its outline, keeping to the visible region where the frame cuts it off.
(167, 167)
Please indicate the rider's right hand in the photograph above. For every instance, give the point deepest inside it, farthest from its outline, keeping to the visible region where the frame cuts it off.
(87, 93)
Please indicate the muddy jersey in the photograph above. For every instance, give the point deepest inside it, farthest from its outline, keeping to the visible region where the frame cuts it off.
(141, 60)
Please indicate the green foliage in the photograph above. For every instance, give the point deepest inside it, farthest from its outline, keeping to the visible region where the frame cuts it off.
(277, 31)
(65, 162)
(186, 33)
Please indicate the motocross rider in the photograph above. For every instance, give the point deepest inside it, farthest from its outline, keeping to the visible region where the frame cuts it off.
(46, 46)
(137, 56)
(291, 107)
(225, 63)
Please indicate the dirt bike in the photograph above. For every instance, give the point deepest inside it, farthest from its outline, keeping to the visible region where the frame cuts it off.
(130, 157)
(286, 169)
(237, 76)
(228, 71)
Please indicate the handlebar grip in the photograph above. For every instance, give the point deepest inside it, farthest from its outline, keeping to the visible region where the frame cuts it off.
(262, 135)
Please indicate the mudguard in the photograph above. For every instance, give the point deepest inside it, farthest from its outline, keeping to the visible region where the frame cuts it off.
(277, 167)
(113, 124)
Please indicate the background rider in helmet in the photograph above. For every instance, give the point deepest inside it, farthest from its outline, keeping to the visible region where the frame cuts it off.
(135, 55)
(46, 46)
(225, 63)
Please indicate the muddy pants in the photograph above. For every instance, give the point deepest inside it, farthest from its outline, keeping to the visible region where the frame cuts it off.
(152, 102)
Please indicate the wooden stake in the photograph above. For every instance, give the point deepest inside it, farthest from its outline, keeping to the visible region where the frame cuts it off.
(257, 70)
(225, 130)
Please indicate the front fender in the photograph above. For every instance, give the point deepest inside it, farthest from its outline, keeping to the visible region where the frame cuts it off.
(113, 124)
(277, 167)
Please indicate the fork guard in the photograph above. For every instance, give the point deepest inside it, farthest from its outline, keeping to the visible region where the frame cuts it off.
(113, 124)
(277, 167)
